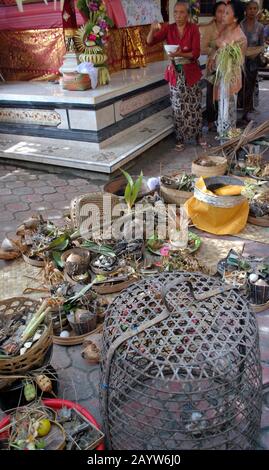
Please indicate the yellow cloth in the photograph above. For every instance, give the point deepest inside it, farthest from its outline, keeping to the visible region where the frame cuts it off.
(229, 190)
(217, 220)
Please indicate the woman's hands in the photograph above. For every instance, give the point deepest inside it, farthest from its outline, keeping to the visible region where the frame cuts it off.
(155, 27)
(177, 53)
(211, 64)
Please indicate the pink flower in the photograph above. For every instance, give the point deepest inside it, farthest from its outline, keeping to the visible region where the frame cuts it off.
(93, 6)
(92, 37)
(164, 251)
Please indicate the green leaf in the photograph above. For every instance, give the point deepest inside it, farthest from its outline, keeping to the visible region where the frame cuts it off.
(57, 258)
(129, 178)
(80, 294)
(61, 243)
(109, 21)
(136, 188)
(128, 195)
(100, 249)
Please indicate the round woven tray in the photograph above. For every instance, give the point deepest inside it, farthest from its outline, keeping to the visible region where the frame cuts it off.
(74, 340)
(220, 201)
(33, 262)
(259, 308)
(261, 221)
(34, 356)
(217, 170)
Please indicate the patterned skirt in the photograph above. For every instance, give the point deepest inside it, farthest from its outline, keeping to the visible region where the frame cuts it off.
(187, 111)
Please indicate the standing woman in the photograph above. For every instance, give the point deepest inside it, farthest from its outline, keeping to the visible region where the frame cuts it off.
(226, 93)
(183, 73)
(254, 33)
(209, 34)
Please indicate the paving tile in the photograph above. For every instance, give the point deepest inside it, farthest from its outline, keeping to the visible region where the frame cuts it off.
(60, 357)
(32, 198)
(15, 184)
(40, 206)
(57, 183)
(4, 191)
(23, 191)
(16, 207)
(57, 196)
(35, 183)
(8, 199)
(45, 190)
(5, 216)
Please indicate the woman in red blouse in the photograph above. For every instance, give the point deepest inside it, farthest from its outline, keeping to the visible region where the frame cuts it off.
(183, 73)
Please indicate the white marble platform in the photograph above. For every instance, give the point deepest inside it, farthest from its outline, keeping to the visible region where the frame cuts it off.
(85, 156)
(97, 130)
(121, 83)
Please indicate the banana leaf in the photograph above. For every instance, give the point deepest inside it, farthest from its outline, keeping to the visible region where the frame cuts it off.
(57, 258)
(100, 249)
(60, 243)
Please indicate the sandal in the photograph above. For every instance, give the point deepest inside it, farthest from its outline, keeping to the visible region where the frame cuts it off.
(179, 147)
(202, 143)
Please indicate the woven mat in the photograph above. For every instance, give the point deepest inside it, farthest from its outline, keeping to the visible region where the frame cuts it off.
(212, 250)
(255, 233)
(18, 276)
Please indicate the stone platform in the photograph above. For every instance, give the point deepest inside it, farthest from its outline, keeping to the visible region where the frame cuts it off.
(97, 130)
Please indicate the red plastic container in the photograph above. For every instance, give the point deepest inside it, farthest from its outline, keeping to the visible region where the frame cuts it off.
(57, 404)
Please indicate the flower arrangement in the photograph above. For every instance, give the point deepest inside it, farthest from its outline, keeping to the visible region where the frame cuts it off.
(91, 38)
(98, 23)
(195, 9)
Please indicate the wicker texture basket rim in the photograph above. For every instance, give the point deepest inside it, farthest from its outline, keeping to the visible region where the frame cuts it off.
(208, 171)
(220, 201)
(13, 364)
(96, 198)
(163, 280)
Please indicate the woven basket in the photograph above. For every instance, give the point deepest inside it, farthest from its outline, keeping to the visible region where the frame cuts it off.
(34, 356)
(261, 221)
(220, 201)
(174, 196)
(206, 171)
(79, 212)
(117, 187)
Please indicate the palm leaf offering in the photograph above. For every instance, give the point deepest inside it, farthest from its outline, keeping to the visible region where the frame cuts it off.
(229, 61)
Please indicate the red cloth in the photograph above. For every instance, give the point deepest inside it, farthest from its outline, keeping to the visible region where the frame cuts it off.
(190, 42)
(69, 15)
(170, 75)
(34, 16)
(116, 12)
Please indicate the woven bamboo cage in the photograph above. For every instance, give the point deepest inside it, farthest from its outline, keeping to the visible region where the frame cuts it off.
(34, 356)
(181, 366)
